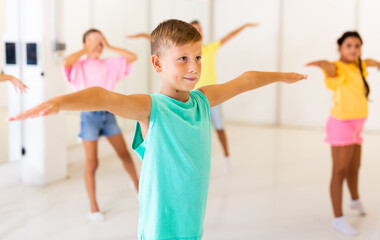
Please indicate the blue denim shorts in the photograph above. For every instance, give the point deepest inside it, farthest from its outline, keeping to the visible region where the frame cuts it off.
(216, 117)
(96, 124)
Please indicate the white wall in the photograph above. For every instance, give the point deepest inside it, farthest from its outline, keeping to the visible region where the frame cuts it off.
(310, 30)
(292, 33)
(253, 49)
(3, 92)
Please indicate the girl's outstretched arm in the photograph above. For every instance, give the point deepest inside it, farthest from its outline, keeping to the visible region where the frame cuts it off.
(236, 32)
(140, 35)
(328, 67)
(372, 63)
(219, 93)
(15, 82)
(136, 106)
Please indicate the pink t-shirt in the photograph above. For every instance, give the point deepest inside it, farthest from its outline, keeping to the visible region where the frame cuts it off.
(103, 73)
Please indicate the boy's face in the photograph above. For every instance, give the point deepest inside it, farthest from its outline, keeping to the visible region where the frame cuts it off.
(179, 66)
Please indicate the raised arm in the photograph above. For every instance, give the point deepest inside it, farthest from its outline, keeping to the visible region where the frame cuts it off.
(15, 82)
(136, 106)
(219, 93)
(372, 63)
(140, 35)
(236, 31)
(130, 56)
(328, 67)
(69, 61)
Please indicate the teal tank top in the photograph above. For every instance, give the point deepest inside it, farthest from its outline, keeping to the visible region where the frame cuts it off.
(175, 173)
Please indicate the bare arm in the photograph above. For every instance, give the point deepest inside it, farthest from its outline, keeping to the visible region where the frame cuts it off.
(328, 67)
(219, 93)
(130, 56)
(372, 63)
(140, 35)
(15, 82)
(236, 31)
(136, 106)
(69, 61)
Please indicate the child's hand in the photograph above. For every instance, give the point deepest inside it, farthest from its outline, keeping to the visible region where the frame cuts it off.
(294, 77)
(46, 108)
(19, 85)
(139, 35)
(251, 25)
(105, 42)
(317, 63)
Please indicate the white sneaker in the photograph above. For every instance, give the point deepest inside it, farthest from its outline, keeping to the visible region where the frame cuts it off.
(356, 204)
(227, 164)
(96, 216)
(340, 225)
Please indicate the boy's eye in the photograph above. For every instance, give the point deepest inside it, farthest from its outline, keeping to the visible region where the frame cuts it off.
(198, 58)
(183, 58)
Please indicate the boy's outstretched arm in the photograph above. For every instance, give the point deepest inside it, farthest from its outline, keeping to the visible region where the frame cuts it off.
(136, 106)
(236, 32)
(219, 93)
(328, 67)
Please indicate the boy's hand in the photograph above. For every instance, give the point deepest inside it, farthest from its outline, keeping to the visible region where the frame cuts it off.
(294, 77)
(46, 108)
(19, 85)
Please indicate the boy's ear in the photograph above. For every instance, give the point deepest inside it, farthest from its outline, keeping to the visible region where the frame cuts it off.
(156, 63)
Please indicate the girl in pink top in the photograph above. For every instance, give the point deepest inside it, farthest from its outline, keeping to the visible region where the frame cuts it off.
(90, 72)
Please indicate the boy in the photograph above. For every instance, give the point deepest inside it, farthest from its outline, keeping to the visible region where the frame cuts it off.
(209, 77)
(173, 130)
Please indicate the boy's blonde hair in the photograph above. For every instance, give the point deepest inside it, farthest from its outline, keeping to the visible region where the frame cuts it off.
(172, 32)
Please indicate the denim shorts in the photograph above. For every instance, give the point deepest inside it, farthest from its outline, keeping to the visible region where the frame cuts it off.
(96, 124)
(216, 117)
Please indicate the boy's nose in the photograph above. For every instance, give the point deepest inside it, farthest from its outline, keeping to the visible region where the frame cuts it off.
(193, 68)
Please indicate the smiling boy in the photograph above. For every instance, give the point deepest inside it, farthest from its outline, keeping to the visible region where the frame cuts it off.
(173, 132)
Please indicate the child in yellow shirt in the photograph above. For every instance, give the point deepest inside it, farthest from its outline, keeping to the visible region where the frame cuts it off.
(208, 77)
(347, 79)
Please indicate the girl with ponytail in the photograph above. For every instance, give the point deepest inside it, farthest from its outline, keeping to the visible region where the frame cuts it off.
(347, 79)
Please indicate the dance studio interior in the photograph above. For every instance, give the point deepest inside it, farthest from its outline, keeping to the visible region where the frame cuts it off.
(279, 168)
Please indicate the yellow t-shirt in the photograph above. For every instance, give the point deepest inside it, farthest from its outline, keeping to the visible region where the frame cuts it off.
(208, 75)
(349, 97)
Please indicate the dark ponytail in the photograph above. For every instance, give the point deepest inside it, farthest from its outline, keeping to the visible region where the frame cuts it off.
(340, 42)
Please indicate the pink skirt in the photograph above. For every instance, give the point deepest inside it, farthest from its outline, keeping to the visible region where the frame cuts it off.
(344, 132)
